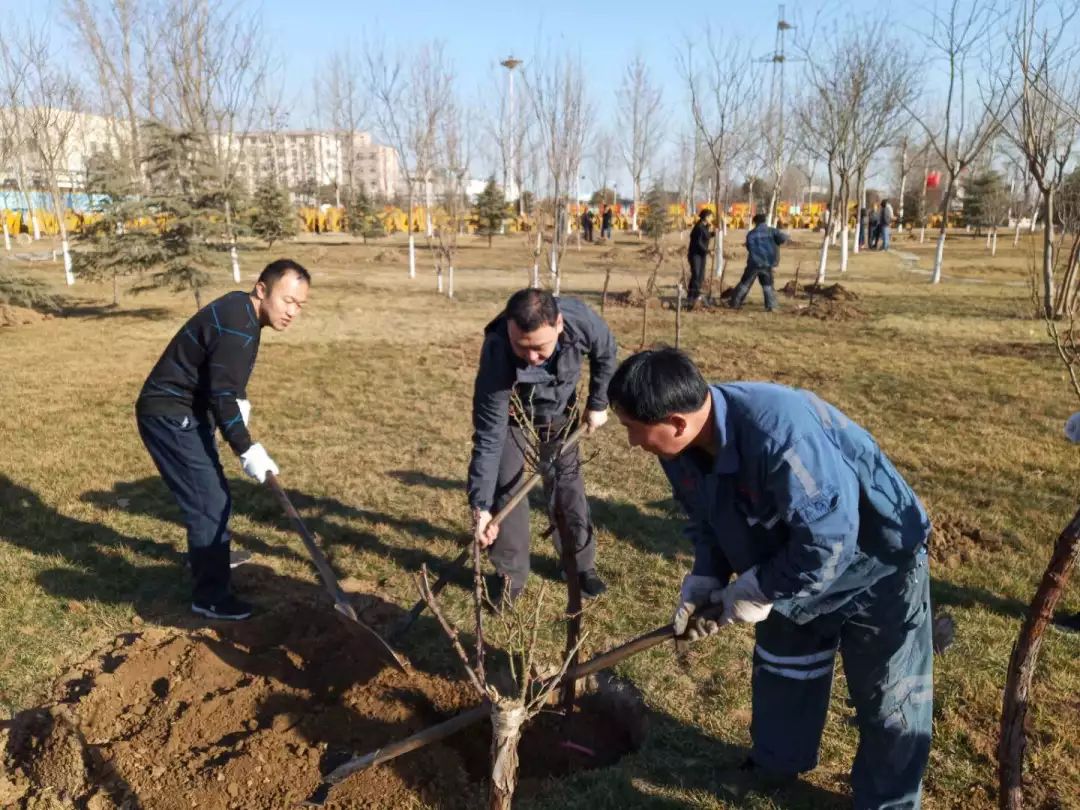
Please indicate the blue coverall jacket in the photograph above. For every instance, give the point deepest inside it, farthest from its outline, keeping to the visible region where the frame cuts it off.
(839, 540)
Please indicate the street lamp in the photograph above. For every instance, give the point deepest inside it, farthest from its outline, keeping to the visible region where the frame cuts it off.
(510, 63)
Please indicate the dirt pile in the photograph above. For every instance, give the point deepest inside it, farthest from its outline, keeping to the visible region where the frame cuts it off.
(955, 539)
(831, 292)
(19, 316)
(244, 716)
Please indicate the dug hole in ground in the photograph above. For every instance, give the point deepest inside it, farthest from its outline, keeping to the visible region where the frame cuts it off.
(251, 715)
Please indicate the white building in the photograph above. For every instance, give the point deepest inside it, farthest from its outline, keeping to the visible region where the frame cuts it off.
(320, 158)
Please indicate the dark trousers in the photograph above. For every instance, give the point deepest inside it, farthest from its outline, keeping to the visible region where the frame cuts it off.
(697, 276)
(761, 274)
(887, 651)
(510, 553)
(184, 451)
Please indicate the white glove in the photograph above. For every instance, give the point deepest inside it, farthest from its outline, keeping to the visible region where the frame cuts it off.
(743, 600)
(1072, 428)
(594, 420)
(257, 463)
(696, 593)
(483, 532)
(245, 409)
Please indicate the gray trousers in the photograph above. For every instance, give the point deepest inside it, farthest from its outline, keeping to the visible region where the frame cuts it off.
(510, 552)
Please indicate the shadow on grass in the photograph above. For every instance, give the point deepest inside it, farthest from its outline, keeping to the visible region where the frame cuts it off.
(946, 594)
(96, 312)
(654, 533)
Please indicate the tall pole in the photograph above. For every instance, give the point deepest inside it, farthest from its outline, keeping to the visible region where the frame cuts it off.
(510, 63)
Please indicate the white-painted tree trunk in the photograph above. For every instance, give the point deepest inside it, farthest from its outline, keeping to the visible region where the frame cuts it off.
(536, 258)
(993, 243)
(1016, 235)
(939, 255)
(235, 261)
(7, 234)
(438, 280)
(637, 202)
(988, 239)
(718, 259)
(429, 229)
(69, 275)
(823, 258)
(450, 281)
(844, 247)
(922, 234)
(412, 255)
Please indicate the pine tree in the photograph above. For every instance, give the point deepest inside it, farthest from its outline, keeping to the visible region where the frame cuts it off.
(489, 212)
(361, 217)
(185, 203)
(657, 222)
(985, 199)
(114, 244)
(272, 216)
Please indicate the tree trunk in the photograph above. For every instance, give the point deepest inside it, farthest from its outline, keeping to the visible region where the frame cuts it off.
(637, 202)
(198, 297)
(536, 256)
(58, 207)
(232, 243)
(939, 253)
(993, 242)
(20, 173)
(678, 313)
(1048, 256)
(603, 294)
(721, 229)
(409, 228)
(429, 230)
(1022, 666)
(860, 204)
(507, 719)
(438, 279)
(450, 281)
(115, 290)
(7, 234)
(823, 258)
(903, 184)
(1069, 286)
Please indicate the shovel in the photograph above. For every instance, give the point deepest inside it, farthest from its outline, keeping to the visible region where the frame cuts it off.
(517, 496)
(326, 574)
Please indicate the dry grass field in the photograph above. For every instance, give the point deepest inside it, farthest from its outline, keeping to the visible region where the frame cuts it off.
(365, 406)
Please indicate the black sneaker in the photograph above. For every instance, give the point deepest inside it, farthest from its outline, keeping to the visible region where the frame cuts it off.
(591, 585)
(229, 609)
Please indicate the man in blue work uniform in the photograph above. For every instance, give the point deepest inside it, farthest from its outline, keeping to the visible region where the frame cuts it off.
(763, 254)
(827, 543)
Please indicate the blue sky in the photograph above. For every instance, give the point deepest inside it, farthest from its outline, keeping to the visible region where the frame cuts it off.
(479, 33)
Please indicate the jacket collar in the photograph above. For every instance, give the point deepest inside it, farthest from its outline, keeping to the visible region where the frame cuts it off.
(726, 460)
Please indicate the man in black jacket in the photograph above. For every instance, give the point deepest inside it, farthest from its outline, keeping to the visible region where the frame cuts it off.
(200, 383)
(536, 348)
(696, 253)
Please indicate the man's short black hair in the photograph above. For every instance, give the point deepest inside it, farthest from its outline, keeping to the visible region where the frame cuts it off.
(759, 218)
(651, 385)
(705, 212)
(274, 271)
(531, 309)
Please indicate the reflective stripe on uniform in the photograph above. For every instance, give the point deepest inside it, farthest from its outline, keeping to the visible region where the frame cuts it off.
(797, 674)
(791, 456)
(812, 658)
(828, 568)
(821, 408)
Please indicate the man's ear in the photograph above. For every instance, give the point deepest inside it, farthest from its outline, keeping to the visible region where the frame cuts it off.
(260, 290)
(677, 421)
(558, 324)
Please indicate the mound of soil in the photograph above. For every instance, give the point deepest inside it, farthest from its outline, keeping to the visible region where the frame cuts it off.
(827, 310)
(627, 298)
(19, 316)
(831, 292)
(955, 539)
(242, 716)
(251, 715)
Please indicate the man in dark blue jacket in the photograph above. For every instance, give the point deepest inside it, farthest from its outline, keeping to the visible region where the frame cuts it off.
(763, 255)
(536, 348)
(827, 545)
(199, 384)
(697, 252)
